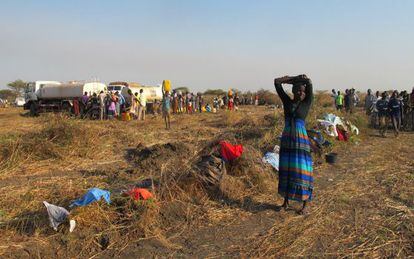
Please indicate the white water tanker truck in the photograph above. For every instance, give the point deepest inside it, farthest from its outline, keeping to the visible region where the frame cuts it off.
(42, 96)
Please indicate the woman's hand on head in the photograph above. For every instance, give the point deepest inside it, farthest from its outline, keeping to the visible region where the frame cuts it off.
(301, 79)
(283, 80)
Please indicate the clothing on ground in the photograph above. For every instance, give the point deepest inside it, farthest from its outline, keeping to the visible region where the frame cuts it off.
(139, 194)
(229, 152)
(94, 194)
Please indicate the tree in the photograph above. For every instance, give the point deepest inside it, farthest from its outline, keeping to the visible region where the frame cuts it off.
(17, 86)
(8, 95)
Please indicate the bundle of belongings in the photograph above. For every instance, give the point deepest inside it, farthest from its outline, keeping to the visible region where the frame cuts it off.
(334, 126)
(317, 141)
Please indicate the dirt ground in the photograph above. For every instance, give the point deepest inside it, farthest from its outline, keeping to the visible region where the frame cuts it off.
(363, 205)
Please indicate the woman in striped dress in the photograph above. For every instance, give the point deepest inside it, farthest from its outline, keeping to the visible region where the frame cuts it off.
(295, 165)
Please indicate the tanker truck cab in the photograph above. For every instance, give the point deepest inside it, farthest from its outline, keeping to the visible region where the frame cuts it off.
(32, 92)
(115, 88)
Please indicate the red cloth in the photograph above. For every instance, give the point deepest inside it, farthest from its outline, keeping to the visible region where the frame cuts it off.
(231, 104)
(342, 135)
(139, 193)
(229, 152)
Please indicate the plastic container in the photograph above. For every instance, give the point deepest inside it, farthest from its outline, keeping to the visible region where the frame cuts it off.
(125, 116)
(331, 158)
(166, 85)
(230, 92)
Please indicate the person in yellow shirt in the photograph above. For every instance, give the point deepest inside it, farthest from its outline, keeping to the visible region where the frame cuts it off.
(339, 101)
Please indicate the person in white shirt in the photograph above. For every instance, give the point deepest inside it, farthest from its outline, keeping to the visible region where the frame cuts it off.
(102, 96)
(142, 100)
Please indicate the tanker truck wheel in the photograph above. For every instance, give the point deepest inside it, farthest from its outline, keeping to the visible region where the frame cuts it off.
(66, 108)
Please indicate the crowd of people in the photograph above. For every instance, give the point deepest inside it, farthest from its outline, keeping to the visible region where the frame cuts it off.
(384, 109)
(190, 103)
(178, 102)
(111, 105)
(133, 106)
(346, 101)
(396, 107)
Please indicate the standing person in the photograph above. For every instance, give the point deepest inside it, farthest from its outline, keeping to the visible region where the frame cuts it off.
(101, 105)
(76, 107)
(107, 104)
(111, 107)
(296, 169)
(339, 101)
(117, 104)
(115, 101)
(405, 109)
(142, 104)
(412, 108)
(369, 101)
(175, 101)
(193, 102)
(231, 103)
(187, 102)
(134, 106)
(225, 101)
(122, 103)
(334, 95)
(355, 97)
(349, 101)
(256, 101)
(200, 102)
(84, 102)
(180, 102)
(166, 108)
(394, 107)
(382, 107)
(236, 101)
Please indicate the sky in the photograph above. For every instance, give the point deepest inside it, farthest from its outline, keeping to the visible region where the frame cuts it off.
(211, 44)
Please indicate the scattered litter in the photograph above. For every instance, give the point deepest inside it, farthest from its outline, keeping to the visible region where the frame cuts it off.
(330, 180)
(57, 215)
(139, 194)
(104, 242)
(229, 152)
(94, 194)
(272, 159)
(353, 128)
(72, 225)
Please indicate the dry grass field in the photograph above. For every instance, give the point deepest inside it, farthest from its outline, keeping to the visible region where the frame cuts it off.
(363, 205)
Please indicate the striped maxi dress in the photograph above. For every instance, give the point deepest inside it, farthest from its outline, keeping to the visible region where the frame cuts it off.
(295, 160)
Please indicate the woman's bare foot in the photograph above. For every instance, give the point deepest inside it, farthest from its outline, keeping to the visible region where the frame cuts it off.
(285, 204)
(304, 210)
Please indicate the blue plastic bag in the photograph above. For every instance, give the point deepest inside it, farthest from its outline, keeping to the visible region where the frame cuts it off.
(94, 194)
